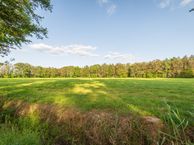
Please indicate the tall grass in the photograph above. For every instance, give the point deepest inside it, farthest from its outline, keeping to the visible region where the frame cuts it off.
(91, 128)
(17, 131)
(176, 127)
(12, 135)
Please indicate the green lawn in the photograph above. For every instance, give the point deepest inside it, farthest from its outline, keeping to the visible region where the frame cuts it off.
(142, 96)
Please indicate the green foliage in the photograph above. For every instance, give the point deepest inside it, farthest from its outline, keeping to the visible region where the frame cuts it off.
(11, 135)
(177, 126)
(189, 73)
(18, 22)
(20, 131)
(169, 68)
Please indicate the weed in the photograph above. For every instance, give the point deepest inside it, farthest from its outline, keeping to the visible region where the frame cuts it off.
(176, 128)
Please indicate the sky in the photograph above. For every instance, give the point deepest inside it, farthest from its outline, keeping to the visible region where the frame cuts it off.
(87, 32)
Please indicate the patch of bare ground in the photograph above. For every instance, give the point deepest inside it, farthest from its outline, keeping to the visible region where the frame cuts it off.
(69, 126)
(190, 133)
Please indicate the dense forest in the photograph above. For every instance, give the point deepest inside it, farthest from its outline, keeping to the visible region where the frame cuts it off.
(168, 68)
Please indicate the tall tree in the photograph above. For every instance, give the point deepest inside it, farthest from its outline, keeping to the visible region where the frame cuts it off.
(18, 22)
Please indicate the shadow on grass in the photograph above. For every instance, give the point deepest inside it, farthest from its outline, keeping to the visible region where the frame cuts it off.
(143, 97)
(83, 94)
(63, 101)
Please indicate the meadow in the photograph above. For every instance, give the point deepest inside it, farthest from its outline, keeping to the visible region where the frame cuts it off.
(140, 97)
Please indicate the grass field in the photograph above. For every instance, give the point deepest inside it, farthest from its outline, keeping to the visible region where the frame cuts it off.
(141, 96)
(96, 111)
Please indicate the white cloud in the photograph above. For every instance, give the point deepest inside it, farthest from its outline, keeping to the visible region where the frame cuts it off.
(172, 4)
(111, 10)
(83, 50)
(108, 5)
(116, 56)
(41, 47)
(75, 49)
(165, 3)
(185, 2)
(102, 2)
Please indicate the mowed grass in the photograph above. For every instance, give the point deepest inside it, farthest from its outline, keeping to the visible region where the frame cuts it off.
(140, 96)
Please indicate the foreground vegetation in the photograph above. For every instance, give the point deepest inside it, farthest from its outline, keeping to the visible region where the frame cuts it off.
(97, 111)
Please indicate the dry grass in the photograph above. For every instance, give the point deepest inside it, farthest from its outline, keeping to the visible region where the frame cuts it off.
(91, 128)
(69, 126)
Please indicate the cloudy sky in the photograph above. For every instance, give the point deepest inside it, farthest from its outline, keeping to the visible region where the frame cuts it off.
(86, 32)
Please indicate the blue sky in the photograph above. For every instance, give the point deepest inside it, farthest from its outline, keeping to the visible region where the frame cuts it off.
(86, 32)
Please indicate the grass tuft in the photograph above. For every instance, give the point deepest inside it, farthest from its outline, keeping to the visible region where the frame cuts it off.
(177, 126)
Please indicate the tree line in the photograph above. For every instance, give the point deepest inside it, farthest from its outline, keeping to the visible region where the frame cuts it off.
(169, 68)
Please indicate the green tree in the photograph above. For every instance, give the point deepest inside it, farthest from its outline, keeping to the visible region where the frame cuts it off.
(23, 70)
(121, 70)
(18, 22)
